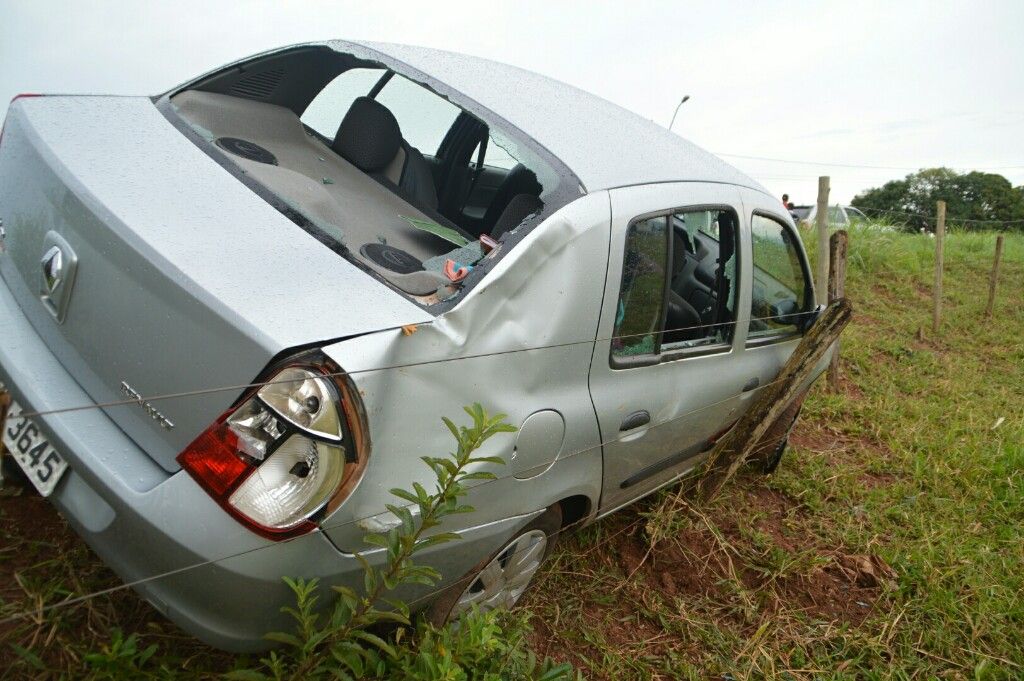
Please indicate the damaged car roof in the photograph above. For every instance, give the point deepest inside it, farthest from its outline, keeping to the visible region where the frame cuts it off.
(603, 144)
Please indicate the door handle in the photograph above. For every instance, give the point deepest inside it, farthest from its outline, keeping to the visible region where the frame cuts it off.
(635, 420)
(751, 384)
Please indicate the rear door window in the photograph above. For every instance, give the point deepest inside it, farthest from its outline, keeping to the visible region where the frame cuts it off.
(639, 313)
(679, 285)
(781, 291)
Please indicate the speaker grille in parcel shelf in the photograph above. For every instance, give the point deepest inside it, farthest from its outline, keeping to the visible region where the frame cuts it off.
(246, 149)
(258, 85)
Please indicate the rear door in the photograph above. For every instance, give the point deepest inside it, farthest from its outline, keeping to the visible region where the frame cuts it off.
(666, 375)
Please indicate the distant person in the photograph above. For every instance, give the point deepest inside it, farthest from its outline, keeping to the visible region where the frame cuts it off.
(785, 202)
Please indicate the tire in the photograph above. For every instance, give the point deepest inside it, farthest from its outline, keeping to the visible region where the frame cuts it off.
(472, 588)
(771, 462)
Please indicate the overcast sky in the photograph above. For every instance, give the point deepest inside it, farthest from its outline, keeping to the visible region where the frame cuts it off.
(901, 85)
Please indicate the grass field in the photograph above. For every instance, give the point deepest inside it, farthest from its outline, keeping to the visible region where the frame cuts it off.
(887, 545)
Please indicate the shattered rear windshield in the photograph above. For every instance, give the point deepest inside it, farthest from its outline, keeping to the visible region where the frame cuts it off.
(415, 188)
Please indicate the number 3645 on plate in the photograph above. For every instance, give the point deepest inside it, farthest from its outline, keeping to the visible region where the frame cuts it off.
(23, 440)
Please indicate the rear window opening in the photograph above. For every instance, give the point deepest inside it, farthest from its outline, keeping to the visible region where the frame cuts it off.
(401, 179)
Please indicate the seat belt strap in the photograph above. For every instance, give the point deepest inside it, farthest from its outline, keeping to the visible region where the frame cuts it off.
(479, 168)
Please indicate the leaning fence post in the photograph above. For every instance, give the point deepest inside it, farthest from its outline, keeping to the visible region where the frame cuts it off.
(940, 235)
(994, 279)
(821, 223)
(775, 398)
(836, 290)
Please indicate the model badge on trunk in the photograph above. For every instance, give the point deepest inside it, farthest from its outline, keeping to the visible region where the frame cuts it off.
(58, 265)
(132, 394)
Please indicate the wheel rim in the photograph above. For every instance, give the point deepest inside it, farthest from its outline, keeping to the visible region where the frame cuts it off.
(505, 578)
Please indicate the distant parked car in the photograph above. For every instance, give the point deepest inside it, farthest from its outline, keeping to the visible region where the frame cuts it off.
(839, 216)
(360, 239)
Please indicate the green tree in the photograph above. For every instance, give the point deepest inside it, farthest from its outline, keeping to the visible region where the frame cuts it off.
(974, 200)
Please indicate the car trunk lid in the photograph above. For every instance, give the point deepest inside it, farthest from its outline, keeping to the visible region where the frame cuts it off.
(173, 276)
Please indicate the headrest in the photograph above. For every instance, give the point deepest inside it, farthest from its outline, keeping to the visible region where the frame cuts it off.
(368, 136)
(523, 180)
(518, 209)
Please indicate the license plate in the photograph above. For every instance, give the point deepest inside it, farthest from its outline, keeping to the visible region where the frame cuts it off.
(22, 439)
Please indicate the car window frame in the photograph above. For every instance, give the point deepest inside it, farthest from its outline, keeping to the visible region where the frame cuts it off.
(809, 303)
(659, 356)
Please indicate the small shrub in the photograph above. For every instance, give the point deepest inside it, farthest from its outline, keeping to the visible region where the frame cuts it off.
(120, 659)
(339, 643)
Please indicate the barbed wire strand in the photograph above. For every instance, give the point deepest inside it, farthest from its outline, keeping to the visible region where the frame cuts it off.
(948, 219)
(406, 365)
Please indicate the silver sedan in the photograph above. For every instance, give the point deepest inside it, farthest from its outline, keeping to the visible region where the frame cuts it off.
(270, 283)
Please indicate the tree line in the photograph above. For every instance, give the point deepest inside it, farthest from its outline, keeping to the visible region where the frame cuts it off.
(974, 200)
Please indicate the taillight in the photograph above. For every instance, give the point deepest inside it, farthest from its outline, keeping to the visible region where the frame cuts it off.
(290, 451)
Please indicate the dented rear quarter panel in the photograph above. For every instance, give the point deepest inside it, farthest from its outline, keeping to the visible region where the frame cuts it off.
(546, 294)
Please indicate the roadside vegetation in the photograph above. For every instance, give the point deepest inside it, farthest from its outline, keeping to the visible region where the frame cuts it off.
(888, 544)
(979, 200)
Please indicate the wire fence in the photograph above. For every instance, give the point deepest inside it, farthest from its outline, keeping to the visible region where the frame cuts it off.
(931, 218)
(906, 217)
(406, 365)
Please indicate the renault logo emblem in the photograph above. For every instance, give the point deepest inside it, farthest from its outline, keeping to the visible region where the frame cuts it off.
(53, 269)
(57, 274)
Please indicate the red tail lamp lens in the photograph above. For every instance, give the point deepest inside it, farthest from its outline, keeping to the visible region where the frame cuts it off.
(214, 461)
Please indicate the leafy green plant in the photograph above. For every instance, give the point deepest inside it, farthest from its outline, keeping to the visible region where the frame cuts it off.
(339, 643)
(119, 659)
(487, 646)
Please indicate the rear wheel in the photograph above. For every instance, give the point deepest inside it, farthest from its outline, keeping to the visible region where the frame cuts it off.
(501, 579)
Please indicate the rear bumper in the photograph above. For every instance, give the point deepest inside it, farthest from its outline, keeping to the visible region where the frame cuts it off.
(164, 536)
(160, 532)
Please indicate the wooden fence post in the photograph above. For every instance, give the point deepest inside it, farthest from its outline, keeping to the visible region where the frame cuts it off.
(775, 398)
(836, 290)
(940, 236)
(821, 223)
(994, 279)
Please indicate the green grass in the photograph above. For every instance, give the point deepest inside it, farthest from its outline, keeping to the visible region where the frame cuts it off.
(887, 545)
